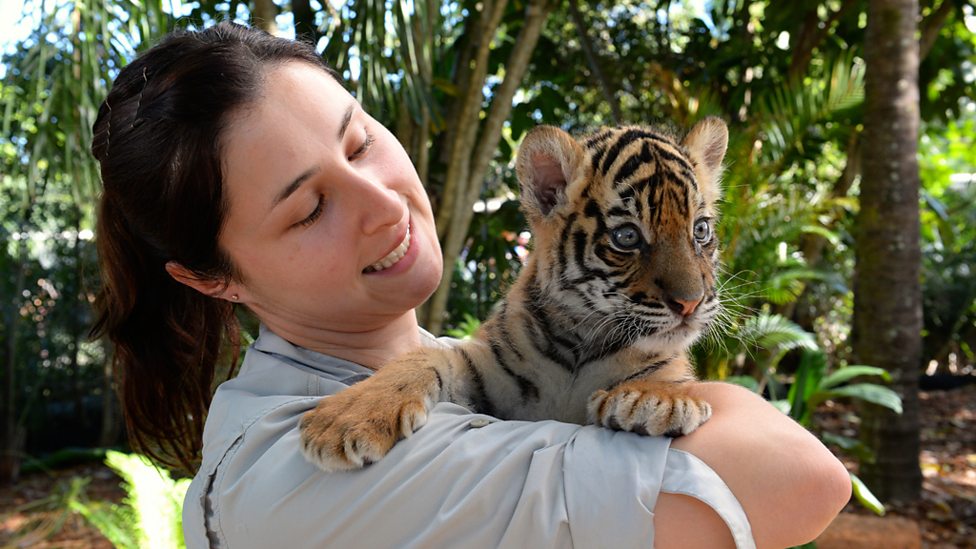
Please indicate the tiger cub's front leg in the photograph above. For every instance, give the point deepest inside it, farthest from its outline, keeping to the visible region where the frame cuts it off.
(360, 424)
(659, 404)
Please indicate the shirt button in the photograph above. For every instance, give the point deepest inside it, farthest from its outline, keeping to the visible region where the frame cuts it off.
(478, 423)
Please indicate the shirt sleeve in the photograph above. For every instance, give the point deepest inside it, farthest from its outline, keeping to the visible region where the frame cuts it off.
(463, 480)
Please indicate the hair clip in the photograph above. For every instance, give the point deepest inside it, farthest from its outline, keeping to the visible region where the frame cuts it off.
(135, 118)
(108, 127)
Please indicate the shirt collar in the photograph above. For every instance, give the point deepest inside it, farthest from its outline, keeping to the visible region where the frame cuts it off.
(270, 343)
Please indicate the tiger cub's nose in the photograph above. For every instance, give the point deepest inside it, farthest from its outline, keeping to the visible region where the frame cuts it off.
(684, 307)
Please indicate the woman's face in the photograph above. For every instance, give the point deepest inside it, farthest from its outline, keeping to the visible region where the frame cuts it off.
(321, 201)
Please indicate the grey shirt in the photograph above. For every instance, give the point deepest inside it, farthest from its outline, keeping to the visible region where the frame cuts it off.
(463, 480)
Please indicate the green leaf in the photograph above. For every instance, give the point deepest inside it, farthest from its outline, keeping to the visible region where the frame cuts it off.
(806, 383)
(850, 372)
(466, 329)
(845, 443)
(936, 205)
(827, 234)
(865, 497)
(850, 445)
(115, 522)
(776, 333)
(748, 382)
(155, 498)
(791, 109)
(868, 392)
(782, 405)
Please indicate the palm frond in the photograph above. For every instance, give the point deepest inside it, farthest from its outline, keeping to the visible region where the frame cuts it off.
(788, 111)
(775, 333)
(785, 286)
(386, 50)
(55, 82)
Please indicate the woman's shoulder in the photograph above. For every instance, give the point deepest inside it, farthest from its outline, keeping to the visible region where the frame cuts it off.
(277, 373)
(447, 472)
(539, 477)
(541, 480)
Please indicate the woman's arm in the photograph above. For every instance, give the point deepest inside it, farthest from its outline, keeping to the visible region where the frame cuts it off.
(789, 484)
(465, 479)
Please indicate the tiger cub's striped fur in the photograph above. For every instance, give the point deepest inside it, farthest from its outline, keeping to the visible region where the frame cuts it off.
(596, 328)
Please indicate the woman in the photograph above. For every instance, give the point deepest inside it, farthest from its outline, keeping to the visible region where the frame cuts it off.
(238, 171)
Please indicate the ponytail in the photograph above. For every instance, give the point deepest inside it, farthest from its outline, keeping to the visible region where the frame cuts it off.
(157, 140)
(167, 339)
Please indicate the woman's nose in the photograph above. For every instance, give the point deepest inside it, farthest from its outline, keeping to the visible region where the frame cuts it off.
(381, 206)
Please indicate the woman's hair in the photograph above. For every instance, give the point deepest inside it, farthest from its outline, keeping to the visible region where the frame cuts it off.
(157, 139)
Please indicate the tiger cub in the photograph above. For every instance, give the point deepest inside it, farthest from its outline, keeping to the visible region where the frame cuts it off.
(596, 327)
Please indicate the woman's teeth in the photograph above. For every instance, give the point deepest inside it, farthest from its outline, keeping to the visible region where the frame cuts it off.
(392, 257)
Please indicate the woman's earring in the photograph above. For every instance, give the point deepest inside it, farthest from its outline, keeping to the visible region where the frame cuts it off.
(234, 297)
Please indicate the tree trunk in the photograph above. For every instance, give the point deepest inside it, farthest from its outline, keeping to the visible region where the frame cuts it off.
(417, 140)
(887, 294)
(74, 295)
(812, 246)
(932, 25)
(11, 435)
(263, 15)
(812, 33)
(467, 120)
(466, 191)
(12, 432)
(305, 27)
(591, 59)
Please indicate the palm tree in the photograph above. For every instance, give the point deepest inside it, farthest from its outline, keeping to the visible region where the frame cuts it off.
(887, 294)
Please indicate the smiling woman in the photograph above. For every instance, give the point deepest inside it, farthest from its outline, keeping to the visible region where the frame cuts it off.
(349, 211)
(237, 171)
(161, 210)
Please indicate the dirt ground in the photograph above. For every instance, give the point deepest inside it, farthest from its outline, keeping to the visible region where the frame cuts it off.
(32, 513)
(946, 514)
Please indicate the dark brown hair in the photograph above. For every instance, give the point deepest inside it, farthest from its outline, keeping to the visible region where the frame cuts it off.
(157, 140)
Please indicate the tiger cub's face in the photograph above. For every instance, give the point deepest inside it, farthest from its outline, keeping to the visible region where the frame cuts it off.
(624, 228)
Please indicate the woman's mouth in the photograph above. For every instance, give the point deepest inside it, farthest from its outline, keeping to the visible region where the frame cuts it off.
(391, 258)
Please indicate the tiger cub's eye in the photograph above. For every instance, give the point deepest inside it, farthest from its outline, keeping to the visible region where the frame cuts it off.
(626, 237)
(703, 232)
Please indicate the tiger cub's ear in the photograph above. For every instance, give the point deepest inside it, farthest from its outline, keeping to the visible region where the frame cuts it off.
(706, 144)
(547, 162)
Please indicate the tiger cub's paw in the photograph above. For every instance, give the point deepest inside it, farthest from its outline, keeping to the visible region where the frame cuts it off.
(648, 409)
(359, 425)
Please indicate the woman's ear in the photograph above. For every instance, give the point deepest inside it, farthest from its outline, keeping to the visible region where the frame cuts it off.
(210, 287)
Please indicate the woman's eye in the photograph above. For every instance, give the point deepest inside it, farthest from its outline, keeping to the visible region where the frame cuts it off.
(703, 231)
(367, 143)
(626, 237)
(316, 213)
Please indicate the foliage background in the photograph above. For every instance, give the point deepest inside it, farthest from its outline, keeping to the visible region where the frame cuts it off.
(789, 79)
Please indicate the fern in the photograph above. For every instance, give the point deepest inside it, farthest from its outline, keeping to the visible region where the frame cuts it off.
(466, 329)
(776, 334)
(151, 514)
(764, 337)
(115, 522)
